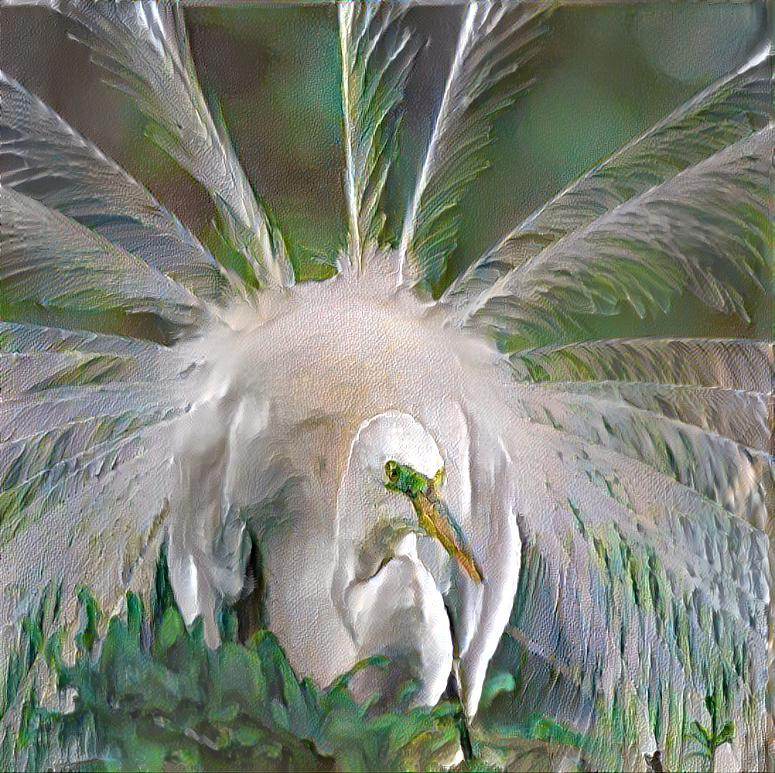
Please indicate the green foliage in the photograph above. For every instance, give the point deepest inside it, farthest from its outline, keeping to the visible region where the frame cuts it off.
(24, 725)
(150, 695)
(708, 740)
(142, 691)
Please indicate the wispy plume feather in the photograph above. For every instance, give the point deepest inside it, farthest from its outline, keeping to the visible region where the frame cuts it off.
(42, 156)
(51, 262)
(725, 112)
(643, 252)
(377, 56)
(495, 42)
(144, 48)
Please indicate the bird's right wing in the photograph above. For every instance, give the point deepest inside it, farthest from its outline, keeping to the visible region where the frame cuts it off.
(53, 267)
(45, 158)
(86, 415)
(85, 421)
(144, 48)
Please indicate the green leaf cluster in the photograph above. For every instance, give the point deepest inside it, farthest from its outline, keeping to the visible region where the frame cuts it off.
(709, 739)
(148, 694)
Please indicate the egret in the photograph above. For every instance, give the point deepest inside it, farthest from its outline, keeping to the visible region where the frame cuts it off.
(457, 478)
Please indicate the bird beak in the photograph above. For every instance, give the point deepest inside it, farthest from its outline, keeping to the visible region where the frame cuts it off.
(447, 533)
(436, 521)
(434, 518)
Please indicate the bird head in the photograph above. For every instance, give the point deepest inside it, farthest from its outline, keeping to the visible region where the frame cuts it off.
(393, 460)
(403, 479)
(433, 516)
(390, 579)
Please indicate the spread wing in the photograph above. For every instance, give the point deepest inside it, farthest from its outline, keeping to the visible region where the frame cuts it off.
(143, 47)
(644, 464)
(727, 112)
(45, 158)
(85, 416)
(100, 286)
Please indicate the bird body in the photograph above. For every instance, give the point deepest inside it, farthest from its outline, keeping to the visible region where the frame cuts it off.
(275, 438)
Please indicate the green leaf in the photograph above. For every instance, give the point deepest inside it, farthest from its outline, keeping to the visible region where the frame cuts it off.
(171, 629)
(496, 685)
(87, 637)
(726, 734)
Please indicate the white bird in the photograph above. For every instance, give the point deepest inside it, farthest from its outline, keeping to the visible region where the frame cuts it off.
(613, 491)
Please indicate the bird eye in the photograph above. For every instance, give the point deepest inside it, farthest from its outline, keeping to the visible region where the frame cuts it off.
(391, 470)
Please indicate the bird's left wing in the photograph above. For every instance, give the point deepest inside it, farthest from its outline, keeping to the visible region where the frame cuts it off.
(727, 111)
(644, 464)
(705, 231)
(638, 598)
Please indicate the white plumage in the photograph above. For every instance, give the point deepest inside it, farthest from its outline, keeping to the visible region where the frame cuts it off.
(614, 491)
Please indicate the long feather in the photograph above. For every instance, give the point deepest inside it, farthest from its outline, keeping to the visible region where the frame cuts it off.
(35, 358)
(494, 43)
(643, 252)
(44, 157)
(737, 364)
(51, 263)
(22, 338)
(85, 457)
(673, 440)
(144, 48)
(377, 57)
(107, 503)
(724, 113)
(633, 587)
(728, 413)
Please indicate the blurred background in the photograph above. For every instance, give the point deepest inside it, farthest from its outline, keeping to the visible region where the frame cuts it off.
(606, 72)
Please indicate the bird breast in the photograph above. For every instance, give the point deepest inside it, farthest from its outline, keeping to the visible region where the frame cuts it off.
(316, 366)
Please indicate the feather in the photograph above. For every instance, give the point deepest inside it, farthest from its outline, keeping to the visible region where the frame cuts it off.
(737, 477)
(636, 470)
(26, 339)
(718, 385)
(32, 413)
(735, 414)
(633, 588)
(32, 372)
(735, 364)
(45, 158)
(79, 479)
(85, 464)
(643, 252)
(376, 60)
(50, 262)
(726, 112)
(39, 470)
(34, 358)
(98, 519)
(144, 48)
(495, 41)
